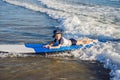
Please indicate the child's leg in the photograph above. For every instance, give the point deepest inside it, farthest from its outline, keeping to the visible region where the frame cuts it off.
(85, 41)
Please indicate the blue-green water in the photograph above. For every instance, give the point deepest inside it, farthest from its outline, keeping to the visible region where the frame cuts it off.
(32, 21)
(21, 25)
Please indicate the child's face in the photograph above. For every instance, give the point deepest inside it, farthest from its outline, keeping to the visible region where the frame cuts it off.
(58, 36)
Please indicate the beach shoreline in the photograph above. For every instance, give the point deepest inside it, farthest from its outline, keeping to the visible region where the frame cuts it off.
(42, 68)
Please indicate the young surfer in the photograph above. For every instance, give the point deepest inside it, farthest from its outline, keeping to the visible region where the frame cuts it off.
(66, 42)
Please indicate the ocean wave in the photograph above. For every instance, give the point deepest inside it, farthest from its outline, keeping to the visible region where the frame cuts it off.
(82, 21)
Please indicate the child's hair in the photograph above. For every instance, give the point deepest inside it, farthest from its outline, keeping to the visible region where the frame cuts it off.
(57, 31)
(54, 31)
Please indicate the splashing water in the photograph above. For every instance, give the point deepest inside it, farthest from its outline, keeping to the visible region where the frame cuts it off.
(83, 21)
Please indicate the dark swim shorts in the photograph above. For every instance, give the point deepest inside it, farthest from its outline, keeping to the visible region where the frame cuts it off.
(73, 41)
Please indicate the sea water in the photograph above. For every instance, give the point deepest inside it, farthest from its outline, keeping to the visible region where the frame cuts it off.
(20, 25)
(96, 19)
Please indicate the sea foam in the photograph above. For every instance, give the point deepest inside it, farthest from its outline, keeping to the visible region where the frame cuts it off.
(83, 21)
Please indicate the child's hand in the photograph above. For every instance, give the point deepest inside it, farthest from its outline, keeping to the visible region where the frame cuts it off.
(46, 46)
(50, 47)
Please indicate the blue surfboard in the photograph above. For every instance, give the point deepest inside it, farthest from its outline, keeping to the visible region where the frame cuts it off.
(38, 48)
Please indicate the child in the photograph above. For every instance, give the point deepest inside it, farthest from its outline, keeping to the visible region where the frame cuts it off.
(66, 42)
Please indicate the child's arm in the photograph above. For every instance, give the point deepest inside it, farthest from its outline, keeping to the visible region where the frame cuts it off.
(48, 45)
(52, 42)
(52, 47)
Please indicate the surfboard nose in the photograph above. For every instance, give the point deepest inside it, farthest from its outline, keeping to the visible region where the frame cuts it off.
(16, 49)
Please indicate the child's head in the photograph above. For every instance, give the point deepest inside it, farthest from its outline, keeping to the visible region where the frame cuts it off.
(57, 33)
(58, 36)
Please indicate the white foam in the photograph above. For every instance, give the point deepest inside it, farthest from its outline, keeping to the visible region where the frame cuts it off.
(83, 21)
(90, 17)
(105, 53)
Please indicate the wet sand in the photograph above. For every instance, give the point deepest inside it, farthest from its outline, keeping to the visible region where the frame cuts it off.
(39, 68)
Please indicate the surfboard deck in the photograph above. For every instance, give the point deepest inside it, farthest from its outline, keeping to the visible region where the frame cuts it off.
(39, 49)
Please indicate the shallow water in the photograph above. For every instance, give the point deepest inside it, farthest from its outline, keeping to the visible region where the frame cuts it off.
(20, 25)
(39, 68)
(32, 21)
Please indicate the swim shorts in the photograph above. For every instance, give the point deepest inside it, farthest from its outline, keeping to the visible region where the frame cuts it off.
(73, 41)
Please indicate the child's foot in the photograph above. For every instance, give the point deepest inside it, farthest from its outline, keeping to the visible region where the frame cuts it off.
(94, 41)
